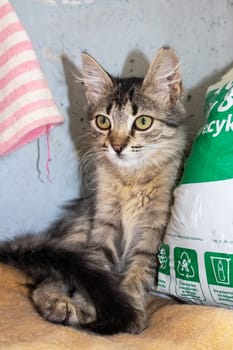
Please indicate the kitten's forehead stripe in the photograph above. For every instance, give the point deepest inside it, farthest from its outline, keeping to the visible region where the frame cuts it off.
(109, 108)
(124, 91)
(134, 108)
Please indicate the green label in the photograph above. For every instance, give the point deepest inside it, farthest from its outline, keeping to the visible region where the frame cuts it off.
(164, 259)
(211, 158)
(186, 265)
(219, 268)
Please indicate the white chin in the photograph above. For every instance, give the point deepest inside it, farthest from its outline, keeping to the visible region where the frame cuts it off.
(125, 161)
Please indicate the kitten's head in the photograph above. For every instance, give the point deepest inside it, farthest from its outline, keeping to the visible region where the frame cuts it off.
(134, 121)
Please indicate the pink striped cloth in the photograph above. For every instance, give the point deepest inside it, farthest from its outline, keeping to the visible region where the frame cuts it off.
(27, 109)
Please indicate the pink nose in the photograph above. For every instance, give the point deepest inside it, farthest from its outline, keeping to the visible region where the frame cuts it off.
(118, 148)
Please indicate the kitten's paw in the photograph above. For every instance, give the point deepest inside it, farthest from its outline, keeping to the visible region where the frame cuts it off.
(139, 324)
(59, 308)
(56, 308)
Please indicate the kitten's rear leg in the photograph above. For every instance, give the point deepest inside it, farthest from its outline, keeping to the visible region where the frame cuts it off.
(52, 301)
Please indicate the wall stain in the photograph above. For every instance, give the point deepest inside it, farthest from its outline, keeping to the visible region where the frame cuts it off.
(50, 55)
(69, 2)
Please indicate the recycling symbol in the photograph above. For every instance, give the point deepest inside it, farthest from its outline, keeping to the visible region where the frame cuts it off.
(185, 267)
(163, 259)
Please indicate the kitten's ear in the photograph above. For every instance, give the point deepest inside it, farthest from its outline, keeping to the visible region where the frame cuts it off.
(163, 79)
(96, 79)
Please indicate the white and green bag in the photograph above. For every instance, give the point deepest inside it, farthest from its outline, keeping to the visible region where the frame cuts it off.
(196, 257)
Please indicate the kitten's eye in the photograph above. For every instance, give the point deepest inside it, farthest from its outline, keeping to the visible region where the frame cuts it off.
(143, 122)
(103, 122)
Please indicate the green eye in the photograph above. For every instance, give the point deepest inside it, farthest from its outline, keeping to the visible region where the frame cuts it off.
(103, 122)
(143, 122)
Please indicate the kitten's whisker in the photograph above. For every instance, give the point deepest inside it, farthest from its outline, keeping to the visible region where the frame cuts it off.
(171, 82)
(92, 79)
(169, 73)
(89, 160)
(85, 163)
(86, 135)
(78, 79)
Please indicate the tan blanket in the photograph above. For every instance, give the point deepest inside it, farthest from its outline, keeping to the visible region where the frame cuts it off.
(172, 326)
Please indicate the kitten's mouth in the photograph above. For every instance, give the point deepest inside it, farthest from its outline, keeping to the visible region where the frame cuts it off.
(118, 158)
(120, 155)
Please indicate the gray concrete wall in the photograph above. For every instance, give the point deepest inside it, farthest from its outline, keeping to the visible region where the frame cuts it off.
(123, 35)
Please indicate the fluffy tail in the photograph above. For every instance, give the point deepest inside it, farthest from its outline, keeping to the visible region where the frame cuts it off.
(114, 311)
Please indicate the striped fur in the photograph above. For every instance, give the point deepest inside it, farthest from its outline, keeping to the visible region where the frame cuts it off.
(95, 267)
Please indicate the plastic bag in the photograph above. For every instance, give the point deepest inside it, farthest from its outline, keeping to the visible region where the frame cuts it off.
(196, 257)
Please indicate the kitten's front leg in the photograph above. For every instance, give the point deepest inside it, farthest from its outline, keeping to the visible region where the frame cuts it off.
(141, 264)
(139, 280)
(106, 235)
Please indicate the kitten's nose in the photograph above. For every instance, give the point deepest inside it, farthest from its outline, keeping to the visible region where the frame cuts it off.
(118, 148)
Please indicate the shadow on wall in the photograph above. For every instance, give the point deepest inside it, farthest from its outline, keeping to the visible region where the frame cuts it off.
(194, 101)
(78, 124)
(136, 65)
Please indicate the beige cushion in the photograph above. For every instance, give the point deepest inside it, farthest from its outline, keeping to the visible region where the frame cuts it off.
(172, 326)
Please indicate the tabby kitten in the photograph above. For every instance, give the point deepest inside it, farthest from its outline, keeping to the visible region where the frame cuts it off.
(95, 267)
